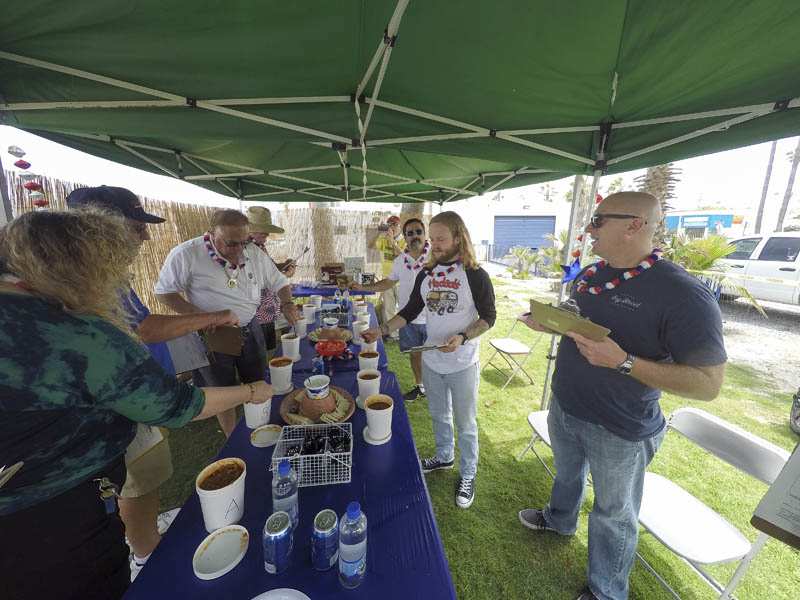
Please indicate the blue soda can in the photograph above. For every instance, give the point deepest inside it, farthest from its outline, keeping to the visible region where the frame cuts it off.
(325, 540)
(277, 541)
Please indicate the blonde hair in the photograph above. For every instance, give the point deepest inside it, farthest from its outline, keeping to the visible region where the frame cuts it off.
(458, 230)
(79, 259)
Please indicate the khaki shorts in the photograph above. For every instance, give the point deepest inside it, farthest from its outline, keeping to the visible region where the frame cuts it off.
(148, 472)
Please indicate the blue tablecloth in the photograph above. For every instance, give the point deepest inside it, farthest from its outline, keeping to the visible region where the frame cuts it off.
(307, 351)
(303, 291)
(405, 558)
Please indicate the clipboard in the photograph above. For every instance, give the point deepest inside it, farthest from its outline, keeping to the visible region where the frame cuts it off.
(225, 340)
(563, 321)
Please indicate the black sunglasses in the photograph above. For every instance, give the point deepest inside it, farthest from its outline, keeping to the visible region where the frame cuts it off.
(598, 219)
(234, 244)
(410, 232)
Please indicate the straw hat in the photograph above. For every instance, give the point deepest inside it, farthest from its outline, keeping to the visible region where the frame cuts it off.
(261, 220)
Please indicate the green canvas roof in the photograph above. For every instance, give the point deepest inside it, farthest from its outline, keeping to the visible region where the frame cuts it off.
(256, 99)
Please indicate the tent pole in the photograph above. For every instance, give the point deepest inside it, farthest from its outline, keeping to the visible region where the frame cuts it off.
(573, 216)
(6, 214)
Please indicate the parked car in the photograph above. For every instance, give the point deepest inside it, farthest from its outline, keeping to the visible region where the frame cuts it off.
(775, 256)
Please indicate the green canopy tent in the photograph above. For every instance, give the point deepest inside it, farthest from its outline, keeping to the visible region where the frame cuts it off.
(399, 100)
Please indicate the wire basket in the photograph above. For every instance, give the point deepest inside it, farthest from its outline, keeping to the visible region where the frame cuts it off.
(324, 467)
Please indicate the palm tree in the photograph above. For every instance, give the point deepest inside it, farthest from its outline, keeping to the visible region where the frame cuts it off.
(764, 189)
(795, 158)
(660, 181)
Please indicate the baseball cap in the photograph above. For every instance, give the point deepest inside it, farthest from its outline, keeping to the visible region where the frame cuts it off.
(116, 199)
(394, 220)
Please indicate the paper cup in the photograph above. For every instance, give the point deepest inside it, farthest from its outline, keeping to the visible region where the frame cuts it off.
(369, 384)
(368, 362)
(301, 327)
(316, 300)
(317, 386)
(330, 322)
(256, 415)
(310, 313)
(290, 342)
(369, 346)
(280, 374)
(379, 420)
(360, 306)
(358, 328)
(223, 506)
(362, 316)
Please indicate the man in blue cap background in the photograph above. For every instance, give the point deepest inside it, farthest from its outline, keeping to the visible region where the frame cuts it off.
(148, 459)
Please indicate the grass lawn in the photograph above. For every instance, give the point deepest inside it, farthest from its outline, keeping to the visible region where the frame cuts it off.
(492, 556)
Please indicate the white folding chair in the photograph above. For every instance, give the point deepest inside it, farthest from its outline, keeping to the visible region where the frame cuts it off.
(514, 353)
(689, 528)
(538, 422)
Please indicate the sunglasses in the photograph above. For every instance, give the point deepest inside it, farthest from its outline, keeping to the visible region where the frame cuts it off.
(598, 219)
(410, 232)
(235, 244)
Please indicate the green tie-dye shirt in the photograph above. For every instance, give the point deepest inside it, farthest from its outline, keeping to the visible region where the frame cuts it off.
(72, 388)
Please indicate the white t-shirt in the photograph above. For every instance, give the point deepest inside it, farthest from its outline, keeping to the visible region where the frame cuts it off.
(448, 301)
(190, 271)
(405, 278)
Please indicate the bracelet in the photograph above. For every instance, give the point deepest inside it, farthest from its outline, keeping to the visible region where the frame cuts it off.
(252, 391)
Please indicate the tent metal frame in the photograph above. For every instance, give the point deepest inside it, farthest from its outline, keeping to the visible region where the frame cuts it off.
(341, 144)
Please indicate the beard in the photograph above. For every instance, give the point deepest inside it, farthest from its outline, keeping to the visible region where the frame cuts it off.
(415, 243)
(448, 256)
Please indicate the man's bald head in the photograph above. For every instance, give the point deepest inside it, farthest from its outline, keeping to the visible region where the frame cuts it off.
(635, 203)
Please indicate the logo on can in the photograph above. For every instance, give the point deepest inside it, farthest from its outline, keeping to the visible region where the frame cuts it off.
(278, 541)
(325, 540)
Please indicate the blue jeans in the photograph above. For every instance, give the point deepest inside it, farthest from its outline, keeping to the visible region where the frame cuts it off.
(412, 335)
(454, 395)
(617, 466)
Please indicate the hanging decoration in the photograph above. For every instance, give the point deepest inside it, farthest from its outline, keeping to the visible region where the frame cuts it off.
(22, 164)
(32, 186)
(16, 151)
(571, 271)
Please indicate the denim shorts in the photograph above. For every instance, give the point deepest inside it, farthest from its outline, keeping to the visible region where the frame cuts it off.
(412, 335)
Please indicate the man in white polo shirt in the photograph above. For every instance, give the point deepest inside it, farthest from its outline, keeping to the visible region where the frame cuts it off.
(405, 269)
(223, 270)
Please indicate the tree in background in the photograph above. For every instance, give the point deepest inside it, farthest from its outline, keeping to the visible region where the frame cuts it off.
(767, 176)
(794, 157)
(660, 181)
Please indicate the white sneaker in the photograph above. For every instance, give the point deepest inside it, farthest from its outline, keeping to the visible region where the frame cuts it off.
(137, 564)
(165, 519)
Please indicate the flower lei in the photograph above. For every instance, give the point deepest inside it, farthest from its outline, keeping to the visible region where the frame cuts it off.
(417, 264)
(583, 286)
(444, 273)
(212, 253)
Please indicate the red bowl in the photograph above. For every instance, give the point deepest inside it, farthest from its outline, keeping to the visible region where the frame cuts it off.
(330, 347)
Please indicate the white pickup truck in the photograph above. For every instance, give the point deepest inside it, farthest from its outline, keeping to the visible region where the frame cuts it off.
(773, 261)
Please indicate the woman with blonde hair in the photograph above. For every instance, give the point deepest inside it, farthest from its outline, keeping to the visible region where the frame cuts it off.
(459, 299)
(74, 381)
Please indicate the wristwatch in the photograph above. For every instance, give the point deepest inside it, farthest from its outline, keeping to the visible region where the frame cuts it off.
(626, 365)
(464, 337)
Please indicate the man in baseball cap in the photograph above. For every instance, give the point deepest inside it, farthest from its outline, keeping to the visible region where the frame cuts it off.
(146, 471)
(115, 199)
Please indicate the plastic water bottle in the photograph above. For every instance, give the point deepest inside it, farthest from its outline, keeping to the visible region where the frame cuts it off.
(284, 491)
(352, 546)
(337, 297)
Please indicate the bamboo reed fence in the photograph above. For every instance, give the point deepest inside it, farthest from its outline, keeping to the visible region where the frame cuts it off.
(330, 233)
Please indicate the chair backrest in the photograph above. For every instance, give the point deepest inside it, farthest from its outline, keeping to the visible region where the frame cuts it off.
(747, 452)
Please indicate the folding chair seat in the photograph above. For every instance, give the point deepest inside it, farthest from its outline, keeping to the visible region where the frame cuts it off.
(538, 422)
(514, 353)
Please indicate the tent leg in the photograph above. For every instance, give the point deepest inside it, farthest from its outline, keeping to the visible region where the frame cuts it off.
(573, 217)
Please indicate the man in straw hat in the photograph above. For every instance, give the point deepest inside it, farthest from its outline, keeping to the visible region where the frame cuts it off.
(220, 269)
(260, 227)
(457, 297)
(146, 470)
